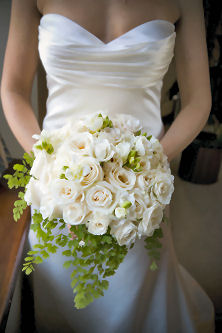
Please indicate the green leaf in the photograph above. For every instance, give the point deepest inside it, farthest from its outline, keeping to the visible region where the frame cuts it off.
(29, 258)
(67, 264)
(74, 282)
(38, 260)
(28, 271)
(153, 266)
(67, 253)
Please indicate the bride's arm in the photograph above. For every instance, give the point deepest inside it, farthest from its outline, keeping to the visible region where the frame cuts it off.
(193, 79)
(20, 64)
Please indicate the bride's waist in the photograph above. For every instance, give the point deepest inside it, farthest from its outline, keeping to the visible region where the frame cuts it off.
(66, 102)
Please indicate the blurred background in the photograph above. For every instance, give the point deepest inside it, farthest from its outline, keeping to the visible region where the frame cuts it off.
(196, 206)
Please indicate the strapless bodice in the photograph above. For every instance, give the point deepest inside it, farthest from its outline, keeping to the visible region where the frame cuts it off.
(85, 74)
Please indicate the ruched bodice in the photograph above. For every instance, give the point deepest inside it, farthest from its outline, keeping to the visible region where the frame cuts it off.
(85, 74)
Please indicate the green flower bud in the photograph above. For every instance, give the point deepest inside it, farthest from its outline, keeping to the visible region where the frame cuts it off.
(126, 204)
(131, 160)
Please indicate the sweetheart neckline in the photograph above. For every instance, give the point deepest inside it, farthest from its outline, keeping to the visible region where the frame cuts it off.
(115, 39)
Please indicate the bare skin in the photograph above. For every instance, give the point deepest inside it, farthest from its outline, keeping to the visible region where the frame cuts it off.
(108, 19)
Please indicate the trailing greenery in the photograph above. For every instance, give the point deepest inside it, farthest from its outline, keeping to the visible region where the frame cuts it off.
(20, 178)
(101, 252)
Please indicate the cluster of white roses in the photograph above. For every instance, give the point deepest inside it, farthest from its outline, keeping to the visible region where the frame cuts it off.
(101, 172)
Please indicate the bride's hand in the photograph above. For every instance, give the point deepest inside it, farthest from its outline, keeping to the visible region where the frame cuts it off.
(71, 232)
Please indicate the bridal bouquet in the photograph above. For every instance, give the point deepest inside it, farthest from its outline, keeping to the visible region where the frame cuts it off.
(95, 185)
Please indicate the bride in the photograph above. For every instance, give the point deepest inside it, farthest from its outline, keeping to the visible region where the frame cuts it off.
(113, 54)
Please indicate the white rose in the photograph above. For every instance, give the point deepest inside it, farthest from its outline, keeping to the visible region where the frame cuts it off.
(93, 173)
(98, 224)
(121, 178)
(80, 143)
(82, 243)
(152, 218)
(74, 213)
(125, 234)
(141, 182)
(161, 188)
(101, 197)
(64, 191)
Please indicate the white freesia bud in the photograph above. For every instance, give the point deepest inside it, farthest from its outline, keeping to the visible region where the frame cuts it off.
(125, 234)
(120, 212)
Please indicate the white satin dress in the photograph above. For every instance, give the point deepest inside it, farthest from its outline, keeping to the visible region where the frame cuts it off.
(124, 75)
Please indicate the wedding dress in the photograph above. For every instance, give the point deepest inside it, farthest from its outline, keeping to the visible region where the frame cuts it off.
(125, 75)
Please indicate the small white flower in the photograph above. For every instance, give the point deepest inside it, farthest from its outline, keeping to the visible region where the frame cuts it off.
(82, 243)
(95, 123)
(123, 148)
(102, 150)
(120, 212)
